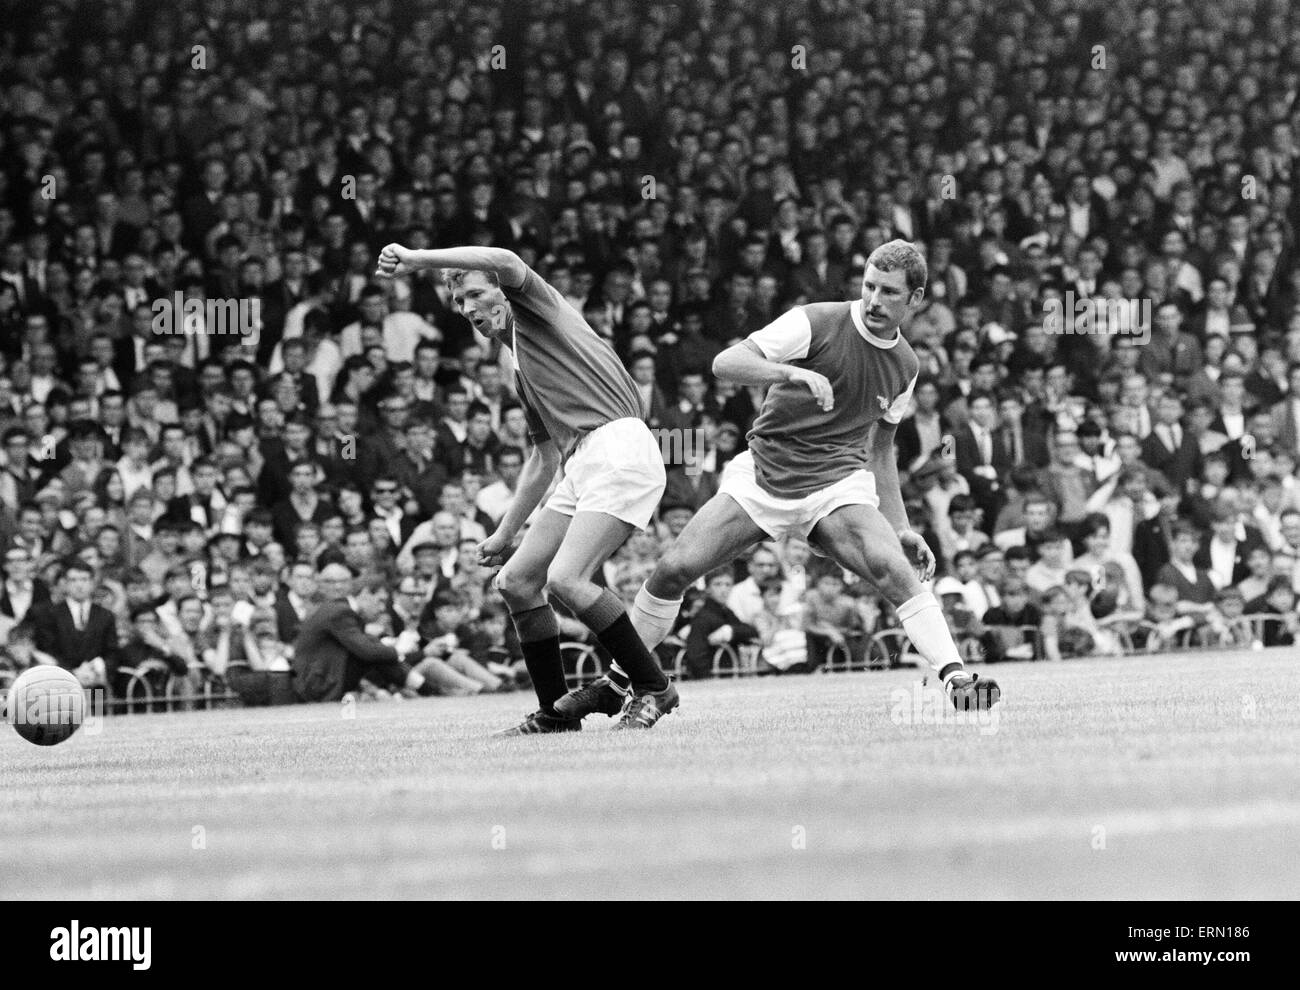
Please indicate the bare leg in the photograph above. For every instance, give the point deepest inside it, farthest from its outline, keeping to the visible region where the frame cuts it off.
(719, 533)
(467, 667)
(522, 583)
(860, 539)
(446, 678)
(592, 537)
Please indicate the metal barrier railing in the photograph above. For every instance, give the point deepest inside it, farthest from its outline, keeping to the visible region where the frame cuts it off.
(152, 687)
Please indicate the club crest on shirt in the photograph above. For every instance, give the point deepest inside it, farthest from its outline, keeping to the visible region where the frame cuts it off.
(884, 403)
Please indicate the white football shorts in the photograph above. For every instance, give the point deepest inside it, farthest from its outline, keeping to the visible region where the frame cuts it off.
(616, 469)
(784, 517)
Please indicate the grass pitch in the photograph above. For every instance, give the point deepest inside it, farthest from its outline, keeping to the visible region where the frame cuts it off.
(1160, 777)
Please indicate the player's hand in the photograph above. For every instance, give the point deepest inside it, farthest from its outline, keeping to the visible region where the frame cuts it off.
(919, 552)
(491, 551)
(819, 385)
(395, 261)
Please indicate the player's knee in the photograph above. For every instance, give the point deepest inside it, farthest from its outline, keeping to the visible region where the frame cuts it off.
(566, 588)
(560, 585)
(516, 584)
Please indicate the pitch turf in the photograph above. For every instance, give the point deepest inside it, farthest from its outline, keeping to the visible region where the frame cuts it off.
(1173, 776)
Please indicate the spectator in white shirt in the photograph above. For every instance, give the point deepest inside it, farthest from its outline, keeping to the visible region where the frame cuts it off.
(494, 500)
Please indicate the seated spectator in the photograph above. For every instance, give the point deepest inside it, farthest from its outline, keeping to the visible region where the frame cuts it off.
(79, 634)
(1224, 626)
(990, 571)
(715, 625)
(673, 518)
(746, 599)
(1018, 562)
(333, 652)
(1166, 617)
(1259, 565)
(962, 622)
(487, 641)
(1061, 639)
(967, 580)
(191, 643)
(21, 589)
(959, 531)
(1199, 504)
(447, 663)
(1099, 557)
(149, 652)
(1083, 613)
(1278, 600)
(495, 498)
(1039, 513)
(1225, 548)
(1192, 584)
(20, 652)
(1011, 629)
(833, 619)
(1053, 561)
(785, 645)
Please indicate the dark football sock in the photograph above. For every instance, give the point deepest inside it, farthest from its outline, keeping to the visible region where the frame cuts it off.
(607, 618)
(616, 676)
(539, 638)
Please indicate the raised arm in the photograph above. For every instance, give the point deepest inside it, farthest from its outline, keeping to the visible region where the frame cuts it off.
(396, 260)
(745, 364)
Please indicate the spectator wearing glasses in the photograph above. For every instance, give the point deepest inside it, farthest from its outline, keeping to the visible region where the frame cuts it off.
(385, 501)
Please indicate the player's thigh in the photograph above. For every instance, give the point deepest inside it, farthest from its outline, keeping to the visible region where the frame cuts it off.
(719, 533)
(860, 539)
(525, 572)
(591, 539)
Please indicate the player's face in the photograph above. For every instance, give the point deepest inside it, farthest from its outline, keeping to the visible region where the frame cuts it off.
(886, 301)
(482, 303)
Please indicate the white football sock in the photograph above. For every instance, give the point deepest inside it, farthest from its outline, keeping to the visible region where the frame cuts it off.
(653, 618)
(923, 621)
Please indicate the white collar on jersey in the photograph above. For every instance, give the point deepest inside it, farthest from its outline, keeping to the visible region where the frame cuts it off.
(855, 310)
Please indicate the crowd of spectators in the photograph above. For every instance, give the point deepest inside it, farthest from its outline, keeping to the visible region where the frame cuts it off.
(683, 174)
